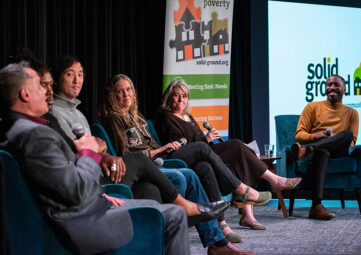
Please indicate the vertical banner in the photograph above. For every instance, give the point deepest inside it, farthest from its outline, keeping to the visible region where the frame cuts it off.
(197, 49)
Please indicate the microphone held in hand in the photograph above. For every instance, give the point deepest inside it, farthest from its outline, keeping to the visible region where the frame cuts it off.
(77, 130)
(182, 141)
(158, 162)
(328, 131)
(207, 126)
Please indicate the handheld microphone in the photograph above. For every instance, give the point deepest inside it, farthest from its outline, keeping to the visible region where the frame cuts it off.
(182, 141)
(328, 131)
(77, 130)
(158, 162)
(207, 126)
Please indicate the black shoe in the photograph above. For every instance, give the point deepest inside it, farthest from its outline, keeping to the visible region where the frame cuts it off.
(209, 211)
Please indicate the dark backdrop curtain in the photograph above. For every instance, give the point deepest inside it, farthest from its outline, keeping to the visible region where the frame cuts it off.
(3, 247)
(117, 36)
(108, 36)
(240, 112)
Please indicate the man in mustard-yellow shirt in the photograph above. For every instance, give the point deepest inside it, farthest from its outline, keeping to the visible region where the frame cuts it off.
(325, 130)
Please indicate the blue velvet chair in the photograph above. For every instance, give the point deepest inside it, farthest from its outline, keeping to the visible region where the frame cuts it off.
(342, 173)
(98, 130)
(28, 232)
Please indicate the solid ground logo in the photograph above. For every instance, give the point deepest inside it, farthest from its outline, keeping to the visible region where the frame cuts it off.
(357, 81)
(317, 74)
(196, 38)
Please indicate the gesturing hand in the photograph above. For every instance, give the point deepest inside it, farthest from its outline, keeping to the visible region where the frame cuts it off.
(118, 171)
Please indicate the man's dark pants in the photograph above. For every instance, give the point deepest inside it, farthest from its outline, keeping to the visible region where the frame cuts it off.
(331, 147)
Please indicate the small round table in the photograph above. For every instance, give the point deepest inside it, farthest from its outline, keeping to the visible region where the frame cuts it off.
(269, 162)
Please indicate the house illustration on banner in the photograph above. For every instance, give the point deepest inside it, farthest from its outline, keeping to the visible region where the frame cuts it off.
(357, 81)
(196, 39)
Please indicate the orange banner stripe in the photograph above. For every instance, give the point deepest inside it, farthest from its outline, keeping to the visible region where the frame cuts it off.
(217, 116)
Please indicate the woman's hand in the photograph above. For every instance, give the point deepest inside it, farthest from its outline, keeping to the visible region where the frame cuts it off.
(212, 135)
(172, 145)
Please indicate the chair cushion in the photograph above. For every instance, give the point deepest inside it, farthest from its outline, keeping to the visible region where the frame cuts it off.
(335, 166)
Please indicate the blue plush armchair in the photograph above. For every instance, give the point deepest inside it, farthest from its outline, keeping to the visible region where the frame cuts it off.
(28, 232)
(342, 173)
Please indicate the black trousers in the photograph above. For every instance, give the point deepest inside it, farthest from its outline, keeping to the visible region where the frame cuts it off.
(331, 147)
(145, 179)
(215, 176)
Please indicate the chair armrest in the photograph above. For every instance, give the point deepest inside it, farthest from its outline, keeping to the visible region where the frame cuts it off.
(282, 163)
(285, 167)
(148, 229)
(353, 147)
(118, 190)
(174, 163)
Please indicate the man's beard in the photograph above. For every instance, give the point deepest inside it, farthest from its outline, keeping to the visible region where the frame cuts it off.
(334, 98)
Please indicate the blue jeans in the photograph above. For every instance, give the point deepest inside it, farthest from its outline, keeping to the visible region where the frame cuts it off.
(188, 185)
(214, 175)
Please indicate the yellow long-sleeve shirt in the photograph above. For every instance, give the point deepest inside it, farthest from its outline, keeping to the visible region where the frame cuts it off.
(317, 116)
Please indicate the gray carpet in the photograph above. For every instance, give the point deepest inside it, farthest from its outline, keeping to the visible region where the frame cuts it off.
(295, 235)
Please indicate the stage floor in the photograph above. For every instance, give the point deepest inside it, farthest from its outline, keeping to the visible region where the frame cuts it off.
(296, 234)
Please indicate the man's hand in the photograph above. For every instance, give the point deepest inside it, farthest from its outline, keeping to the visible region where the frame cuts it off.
(115, 201)
(320, 135)
(86, 142)
(102, 145)
(212, 135)
(106, 164)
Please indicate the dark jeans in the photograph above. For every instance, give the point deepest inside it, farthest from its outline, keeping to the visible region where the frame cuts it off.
(214, 175)
(189, 186)
(331, 147)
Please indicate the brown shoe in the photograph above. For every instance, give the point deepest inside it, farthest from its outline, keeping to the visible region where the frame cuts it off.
(298, 151)
(320, 213)
(253, 225)
(229, 249)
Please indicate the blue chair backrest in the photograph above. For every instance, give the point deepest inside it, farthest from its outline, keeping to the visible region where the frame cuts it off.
(26, 230)
(286, 126)
(118, 190)
(99, 131)
(153, 132)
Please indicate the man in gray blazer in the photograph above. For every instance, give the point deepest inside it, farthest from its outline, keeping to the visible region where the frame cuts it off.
(67, 185)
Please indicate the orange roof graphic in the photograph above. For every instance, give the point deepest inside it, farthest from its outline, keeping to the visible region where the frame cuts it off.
(183, 4)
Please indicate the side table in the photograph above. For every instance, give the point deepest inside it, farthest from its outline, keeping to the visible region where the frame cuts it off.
(269, 162)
